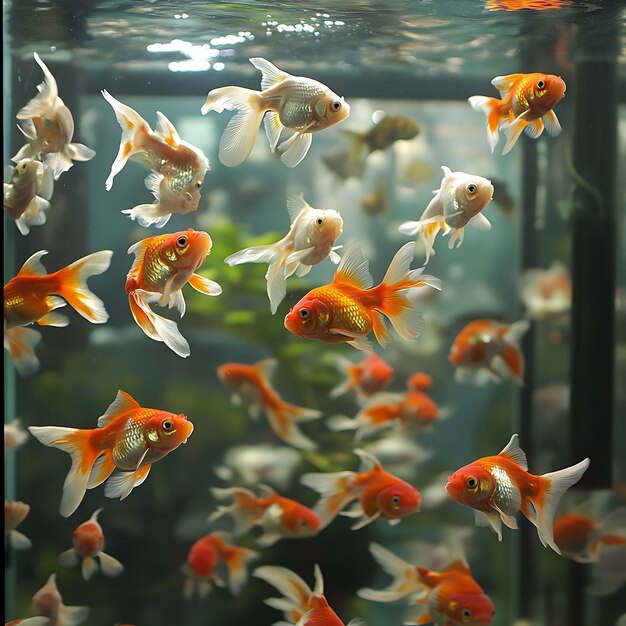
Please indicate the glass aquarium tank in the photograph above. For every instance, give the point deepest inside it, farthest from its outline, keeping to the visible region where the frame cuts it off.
(223, 257)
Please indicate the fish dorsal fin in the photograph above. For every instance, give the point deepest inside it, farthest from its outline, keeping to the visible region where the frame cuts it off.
(122, 403)
(295, 204)
(267, 489)
(446, 172)
(354, 269)
(33, 266)
(271, 74)
(458, 565)
(367, 459)
(266, 367)
(94, 515)
(318, 590)
(504, 83)
(138, 249)
(166, 129)
(515, 453)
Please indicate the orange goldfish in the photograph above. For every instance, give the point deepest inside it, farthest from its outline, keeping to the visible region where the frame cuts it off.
(129, 437)
(297, 103)
(485, 350)
(380, 494)
(14, 514)
(526, 105)
(279, 517)
(369, 376)
(546, 292)
(419, 381)
(348, 309)
(32, 297)
(48, 603)
(88, 544)
(48, 126)
(250, 385)
(301, 605)
(452, 597)
(205, 561)
(178, 168)
(163, 266)
(497, 487)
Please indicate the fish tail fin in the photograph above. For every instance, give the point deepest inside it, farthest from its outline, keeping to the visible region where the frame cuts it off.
(149, 215)
(545, 501)
(33, 216)
(282, 417)
(72, 615)
(77, 444)
(405, 577)
(20, 343)
(132, 125)
(397, 306)
(341, 422)
(155, 326)
(427, 230)
(296, 593)
(336, 491)
(491, 107)
(243, 509)
(79, 152)
(512, 130)
(240, 134)
(236, 559)
(73, 279)
(45, 100)
(350, 381)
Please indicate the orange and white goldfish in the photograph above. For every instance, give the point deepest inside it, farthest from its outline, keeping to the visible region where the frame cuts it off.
(581, 536)
(250, 384)
(278, 517)
(48, 602)
(383, 134)
(163, 265)
(206, 561)
(348, 309)
(48, 126)
(14, 435)
(299, 104)
(310, 240)
(448, 597)
(301, 605)
(32, 297)
(14, 514)
(27, 194)
(368, 377)
(546, 292)
(458, 202)
(89, 544)
(497, 487)
(29, 621)
(526, 104)
(486, 350)
(379, 494)
(178, 168)
(129, 437)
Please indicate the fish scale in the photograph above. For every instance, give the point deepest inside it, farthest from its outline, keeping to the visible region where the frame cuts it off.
(506, 495)
(130, 448)
(297, 111)
(348, 313)
(155, 272)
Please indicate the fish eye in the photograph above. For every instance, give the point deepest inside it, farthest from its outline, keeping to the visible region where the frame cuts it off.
(319, 221)
(181, 242)
(168, 425)
(467, 615)
(471, 188)
(395, 501)
(471, 482)
(198, 184)
(541, 84)
(302, 522)
(304, 313)
(336, 105)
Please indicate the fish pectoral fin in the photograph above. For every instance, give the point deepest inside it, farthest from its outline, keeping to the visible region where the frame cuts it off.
(205, 285)
(504, 83)
(551, 123)
(361, 342)
(273, 128)
(53, 319)
(508, 520)
(294, 149)
(480, 222)
(121, 484)
(489, 519)
(513, 129)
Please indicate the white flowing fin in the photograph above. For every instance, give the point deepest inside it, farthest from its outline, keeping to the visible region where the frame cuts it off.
(89, 567)
(149, 215)
(295, 204)
(534, 129)
(294, 149)
(489, 519)
(33, 265)
(72, 615)
(365, 521)
(515, 453)
(354, 269)
(122, 483)
(110, 566)
(271, 74)
(69, 558)
(44, 102)
(166, 129)
(360, 342)
(256, 254)
(273, 128)
(512, 130)
(480, 222)
(204, 285)
(551, 123)
(336, 491)
(20, 342)
(19, 541)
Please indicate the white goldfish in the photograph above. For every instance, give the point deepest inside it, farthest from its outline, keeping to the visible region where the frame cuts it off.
(48, 602)
(49, 127)
(14, 435)
(27, 194)
(14, 514)
(458, 202)
(546, 292)
(309, 241)
(297, 103)
(178, 168)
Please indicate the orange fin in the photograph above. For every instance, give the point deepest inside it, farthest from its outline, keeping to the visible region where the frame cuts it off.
(33, 265)
(122, 404)
(243, 508)
(120, 485)
(353, 269)
(204, 285)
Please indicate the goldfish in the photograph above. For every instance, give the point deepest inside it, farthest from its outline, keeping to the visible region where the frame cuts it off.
(48, 126)
(300, 104)
(33, 296)
(376, 202)
(379, 494)
(350, 307)
(14, 435)
(581, 536)
(546, 292)
(301, 605)
(383, 134)
(368, 377)
(279, 517)
(310, 240)
(89, 544)
(30, 621)
(129, 437)
(163, 265)
(14, 514)
(497, 487)
(458, 202)
(608, 572)
(486, 350)
(27, 194)
(48, 602)
(207, 557)
(419, 381)
(341, 162)
(520, 5)
(177, 167)
(526, 104)
(250, 384)
(448, 597)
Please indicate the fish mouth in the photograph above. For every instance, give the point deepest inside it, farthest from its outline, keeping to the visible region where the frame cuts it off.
(187, 429)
